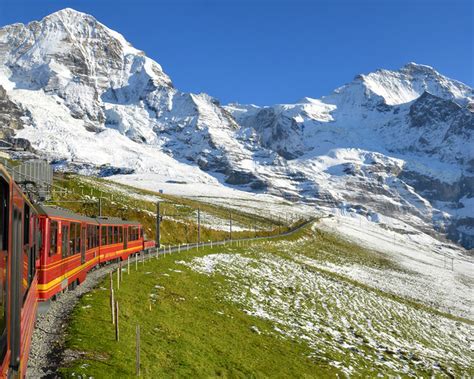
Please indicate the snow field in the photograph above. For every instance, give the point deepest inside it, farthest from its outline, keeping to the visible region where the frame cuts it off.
(345, 325)
(429, 274)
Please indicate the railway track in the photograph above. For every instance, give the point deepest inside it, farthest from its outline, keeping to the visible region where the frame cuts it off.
(47, 346)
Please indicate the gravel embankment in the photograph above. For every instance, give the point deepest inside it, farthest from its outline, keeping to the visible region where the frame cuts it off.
(47, 345)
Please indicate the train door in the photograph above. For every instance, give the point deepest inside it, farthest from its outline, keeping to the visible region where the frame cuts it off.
(125, 238)
(83, 244)
(65, 253)
(15, 288)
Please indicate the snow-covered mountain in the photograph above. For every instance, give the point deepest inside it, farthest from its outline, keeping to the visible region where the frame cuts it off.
(390, 142)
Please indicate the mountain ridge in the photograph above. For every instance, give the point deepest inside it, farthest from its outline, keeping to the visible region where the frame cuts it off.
(375, 144)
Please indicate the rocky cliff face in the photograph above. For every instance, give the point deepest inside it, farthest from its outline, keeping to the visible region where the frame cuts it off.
(393, 142)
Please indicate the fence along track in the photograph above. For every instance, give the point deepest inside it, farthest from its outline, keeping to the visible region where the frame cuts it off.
(47, 345)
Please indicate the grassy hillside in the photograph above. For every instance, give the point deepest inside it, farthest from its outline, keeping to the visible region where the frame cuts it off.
(179, 225)
(266, 309)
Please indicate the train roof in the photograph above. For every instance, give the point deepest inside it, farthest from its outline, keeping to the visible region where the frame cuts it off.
(115, 221)
(59, 212)
(64, 213)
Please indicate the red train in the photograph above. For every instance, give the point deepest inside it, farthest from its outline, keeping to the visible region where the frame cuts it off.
(43, 251)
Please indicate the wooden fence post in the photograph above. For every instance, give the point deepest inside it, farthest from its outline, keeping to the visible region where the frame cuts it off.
(137, 351)
(136, 262)
(128, 265)
(117, 333)
(118, 278)
(112, 309)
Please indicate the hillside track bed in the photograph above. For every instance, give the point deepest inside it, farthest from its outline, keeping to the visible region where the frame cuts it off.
(48, 350)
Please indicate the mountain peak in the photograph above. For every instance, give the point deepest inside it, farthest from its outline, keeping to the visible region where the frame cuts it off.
(69, 15)
(404, 85)
(68, 11)
(416, 68)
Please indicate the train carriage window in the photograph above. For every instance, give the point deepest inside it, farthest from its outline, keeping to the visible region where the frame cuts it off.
(104, 236)
(77, 243)
(141, 232)
(116, 239)
(96, 236)
(110, 235)
(88, 237)
(72, 239)
(26, 225)
(92, 240)
(130, 235)
(53, 238)
(65, 239)
(91, 236)
(26, 268)
(4, 222)
(120, 231)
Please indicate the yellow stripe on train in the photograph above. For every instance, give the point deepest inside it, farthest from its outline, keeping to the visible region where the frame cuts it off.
(47, 286)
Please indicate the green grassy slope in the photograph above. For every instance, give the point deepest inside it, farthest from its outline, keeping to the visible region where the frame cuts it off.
(311, 322)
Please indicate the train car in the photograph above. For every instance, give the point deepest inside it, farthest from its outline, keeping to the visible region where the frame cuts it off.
(43, 251)
(19, 247)
(70, 249)
(148, 244)
(119, 238)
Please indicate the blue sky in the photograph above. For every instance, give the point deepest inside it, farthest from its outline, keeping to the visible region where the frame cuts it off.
(277, 51)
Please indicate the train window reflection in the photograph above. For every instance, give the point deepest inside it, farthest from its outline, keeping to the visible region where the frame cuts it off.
(53, 245)
(65, 247)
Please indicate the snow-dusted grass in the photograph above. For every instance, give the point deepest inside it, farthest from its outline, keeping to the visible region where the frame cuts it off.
(346, 326)
(352, 307)
(433, 272)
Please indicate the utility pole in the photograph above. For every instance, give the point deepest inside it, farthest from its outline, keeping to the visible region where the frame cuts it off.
(199, 225)
(100, 207)
(230, 225)
(158, 224)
